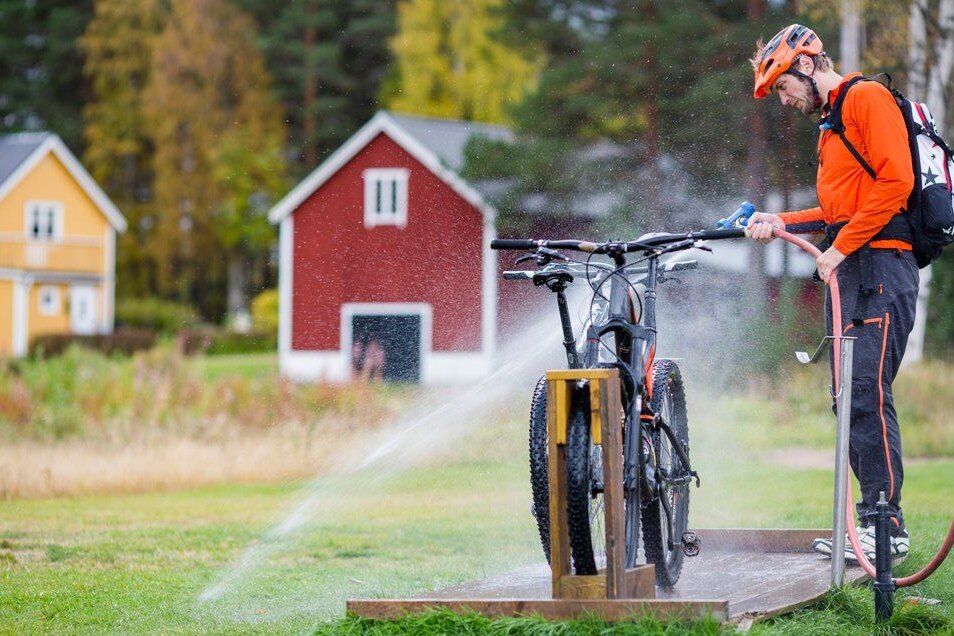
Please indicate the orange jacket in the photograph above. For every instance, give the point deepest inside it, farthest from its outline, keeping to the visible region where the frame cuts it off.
(875, 127)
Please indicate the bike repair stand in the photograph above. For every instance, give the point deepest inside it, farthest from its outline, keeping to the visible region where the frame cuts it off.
(843, 410)
(615, 581)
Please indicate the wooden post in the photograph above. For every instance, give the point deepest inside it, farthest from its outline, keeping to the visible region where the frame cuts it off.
(615, 582)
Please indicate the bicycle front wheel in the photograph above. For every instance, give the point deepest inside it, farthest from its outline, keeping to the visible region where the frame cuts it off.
(669, 401)
(585, 509)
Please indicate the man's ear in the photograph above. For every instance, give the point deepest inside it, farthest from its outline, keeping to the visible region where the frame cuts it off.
(806, 65)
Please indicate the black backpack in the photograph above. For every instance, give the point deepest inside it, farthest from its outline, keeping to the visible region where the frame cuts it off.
(930, 209)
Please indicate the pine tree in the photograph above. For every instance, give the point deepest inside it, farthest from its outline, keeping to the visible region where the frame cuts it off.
(450, 65)
(328, 60)
(41, 81)
(211, 119)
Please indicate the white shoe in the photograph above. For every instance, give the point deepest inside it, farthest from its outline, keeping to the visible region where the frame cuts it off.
(866, 537)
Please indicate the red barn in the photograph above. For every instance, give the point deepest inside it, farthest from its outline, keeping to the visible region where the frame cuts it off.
(385, 265)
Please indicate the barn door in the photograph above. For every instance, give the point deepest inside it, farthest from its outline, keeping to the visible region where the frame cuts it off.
(386, 347)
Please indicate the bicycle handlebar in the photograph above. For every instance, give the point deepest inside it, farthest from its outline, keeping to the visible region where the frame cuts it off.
(665, 268)
(648, 243)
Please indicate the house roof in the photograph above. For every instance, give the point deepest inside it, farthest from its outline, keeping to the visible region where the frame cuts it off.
(447, 138)
(435, 143)
(21, 152)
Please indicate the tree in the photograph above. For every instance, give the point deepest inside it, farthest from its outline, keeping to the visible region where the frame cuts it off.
(448, 63)
(211, 119)
(118, 45)
(661, 81)
(930, 59)
(328, 60)
(41, 81)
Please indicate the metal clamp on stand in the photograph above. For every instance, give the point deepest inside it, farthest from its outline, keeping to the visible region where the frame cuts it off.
(843, 410)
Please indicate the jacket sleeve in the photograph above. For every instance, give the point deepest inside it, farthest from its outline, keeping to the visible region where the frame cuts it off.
(804, 221)
(873, 110)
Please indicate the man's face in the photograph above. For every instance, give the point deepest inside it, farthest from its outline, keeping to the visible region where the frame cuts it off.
(794, 92)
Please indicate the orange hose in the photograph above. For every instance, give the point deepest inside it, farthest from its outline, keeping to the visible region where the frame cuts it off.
(836, 323)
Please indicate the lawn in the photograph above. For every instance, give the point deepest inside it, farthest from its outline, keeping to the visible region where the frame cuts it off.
(283, 558)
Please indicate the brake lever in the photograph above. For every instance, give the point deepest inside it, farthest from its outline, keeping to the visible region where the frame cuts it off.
(525, 257)
(551, 253)
(704, 248)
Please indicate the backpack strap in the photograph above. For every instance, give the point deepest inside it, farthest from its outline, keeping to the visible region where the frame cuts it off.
(833, 123)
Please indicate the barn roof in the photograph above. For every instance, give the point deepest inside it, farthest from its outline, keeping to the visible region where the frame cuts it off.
(447, 138)
(437, 144)
(21, 152)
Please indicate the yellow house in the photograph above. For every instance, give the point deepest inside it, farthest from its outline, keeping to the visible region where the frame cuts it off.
(57, 244)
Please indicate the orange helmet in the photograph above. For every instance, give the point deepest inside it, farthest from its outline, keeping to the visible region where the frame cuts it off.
(780, 53)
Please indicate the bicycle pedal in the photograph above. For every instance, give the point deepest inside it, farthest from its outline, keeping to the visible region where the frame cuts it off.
(691, 544)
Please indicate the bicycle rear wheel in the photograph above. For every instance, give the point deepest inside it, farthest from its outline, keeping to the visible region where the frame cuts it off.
(669, 400)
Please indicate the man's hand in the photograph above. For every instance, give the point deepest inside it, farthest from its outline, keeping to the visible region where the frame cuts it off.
(827, 263)
(762, 225)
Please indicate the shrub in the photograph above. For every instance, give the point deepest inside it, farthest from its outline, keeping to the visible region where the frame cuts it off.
(162, 316)
(215, 341)
(225, 342)
(124, 341)
(265, 311)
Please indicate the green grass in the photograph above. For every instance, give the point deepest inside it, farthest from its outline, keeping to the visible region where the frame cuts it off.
(245, 365)
(139, 563)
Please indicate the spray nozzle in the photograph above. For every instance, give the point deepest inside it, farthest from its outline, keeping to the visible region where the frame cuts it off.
(739, 218)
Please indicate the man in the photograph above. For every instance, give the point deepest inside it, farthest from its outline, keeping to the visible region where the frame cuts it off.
(867, 242)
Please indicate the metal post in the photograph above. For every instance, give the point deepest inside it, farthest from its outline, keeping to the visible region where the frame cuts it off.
(884, 583)
(840, 521)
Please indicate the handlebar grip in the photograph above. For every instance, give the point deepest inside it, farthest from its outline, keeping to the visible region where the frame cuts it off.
(512, 244)
(727, 233)
(519, 275)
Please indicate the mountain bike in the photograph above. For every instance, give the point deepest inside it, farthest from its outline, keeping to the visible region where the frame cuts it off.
(620, 331)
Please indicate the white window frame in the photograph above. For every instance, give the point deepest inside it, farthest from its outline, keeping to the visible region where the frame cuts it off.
(50, 307)
(423, 310)
(54, 232)
(385, 197)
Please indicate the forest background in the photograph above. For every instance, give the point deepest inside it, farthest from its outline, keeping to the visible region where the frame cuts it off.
(197, 115)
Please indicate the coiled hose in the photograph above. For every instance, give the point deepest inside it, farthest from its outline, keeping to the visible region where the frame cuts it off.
(926, 571)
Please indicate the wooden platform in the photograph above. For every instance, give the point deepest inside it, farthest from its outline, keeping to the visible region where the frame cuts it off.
(740, 576)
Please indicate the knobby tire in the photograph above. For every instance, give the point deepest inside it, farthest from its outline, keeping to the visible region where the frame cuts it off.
(578, 483)
(669, 399)
(539, 466)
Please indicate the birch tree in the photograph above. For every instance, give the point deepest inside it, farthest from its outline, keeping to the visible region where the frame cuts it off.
(929, 65)
(450, 65)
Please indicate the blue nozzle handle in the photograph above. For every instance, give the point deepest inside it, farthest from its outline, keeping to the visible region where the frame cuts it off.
(739, 218)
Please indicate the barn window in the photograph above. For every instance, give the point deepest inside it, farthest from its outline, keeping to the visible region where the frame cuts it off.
(44, 220)
(385, 197)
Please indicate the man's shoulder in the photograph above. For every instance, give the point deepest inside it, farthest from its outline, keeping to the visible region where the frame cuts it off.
(868, 89)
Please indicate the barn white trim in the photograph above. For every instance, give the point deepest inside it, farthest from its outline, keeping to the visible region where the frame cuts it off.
(381, 122)
(423, 310)
(450, 366)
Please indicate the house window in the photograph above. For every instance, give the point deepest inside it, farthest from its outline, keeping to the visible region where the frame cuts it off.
(385, 197)
(44, 220)
(49, 300)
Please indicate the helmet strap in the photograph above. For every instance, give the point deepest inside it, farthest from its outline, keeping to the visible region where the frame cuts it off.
(815, 94)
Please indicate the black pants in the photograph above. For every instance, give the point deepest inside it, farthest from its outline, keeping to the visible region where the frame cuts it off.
(878, 299)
